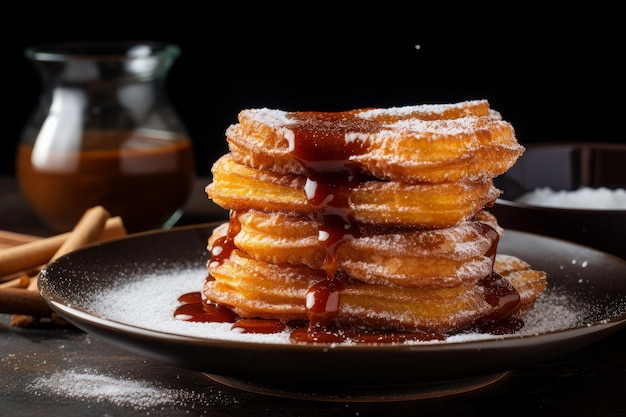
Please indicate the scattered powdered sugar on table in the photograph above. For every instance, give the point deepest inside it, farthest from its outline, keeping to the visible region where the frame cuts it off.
(89, 385)
(149, 302)
(583, 198)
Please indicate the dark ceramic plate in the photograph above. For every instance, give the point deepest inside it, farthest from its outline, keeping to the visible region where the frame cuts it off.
(593, 282)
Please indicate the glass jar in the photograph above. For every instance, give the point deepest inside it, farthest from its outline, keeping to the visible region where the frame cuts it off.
(104, 133)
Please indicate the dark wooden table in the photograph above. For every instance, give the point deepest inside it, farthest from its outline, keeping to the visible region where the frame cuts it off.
(50, 370)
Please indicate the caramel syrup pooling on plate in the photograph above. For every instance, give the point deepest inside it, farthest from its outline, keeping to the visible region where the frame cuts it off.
(323, 145)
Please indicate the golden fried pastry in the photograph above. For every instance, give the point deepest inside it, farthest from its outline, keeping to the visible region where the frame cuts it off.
(462, 254)
(368, 219)
(429, 143)
(529, 283)
(240, 188)
(256, 289)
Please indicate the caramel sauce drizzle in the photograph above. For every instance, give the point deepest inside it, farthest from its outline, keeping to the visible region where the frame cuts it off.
(323, 147)
(224, 246)
(323, 143)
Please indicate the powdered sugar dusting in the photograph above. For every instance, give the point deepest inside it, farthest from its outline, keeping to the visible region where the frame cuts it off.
(421, 110)
(149, 302)
(556, 305)
(271, 117)
(436, 130)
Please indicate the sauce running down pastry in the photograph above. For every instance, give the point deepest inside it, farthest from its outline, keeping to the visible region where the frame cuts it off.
(368, 225)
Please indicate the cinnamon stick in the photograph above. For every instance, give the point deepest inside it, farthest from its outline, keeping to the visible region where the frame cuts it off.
(25, 305)
(28, 272)
(39, 252)
(22, 281)
(9, 239)
(87, 230)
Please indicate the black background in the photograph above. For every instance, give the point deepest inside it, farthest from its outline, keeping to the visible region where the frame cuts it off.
(555, 75)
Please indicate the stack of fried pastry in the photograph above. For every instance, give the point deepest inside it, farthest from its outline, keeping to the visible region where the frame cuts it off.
(368, 218)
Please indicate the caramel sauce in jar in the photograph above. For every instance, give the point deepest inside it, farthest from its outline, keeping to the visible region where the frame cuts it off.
(144, 176)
